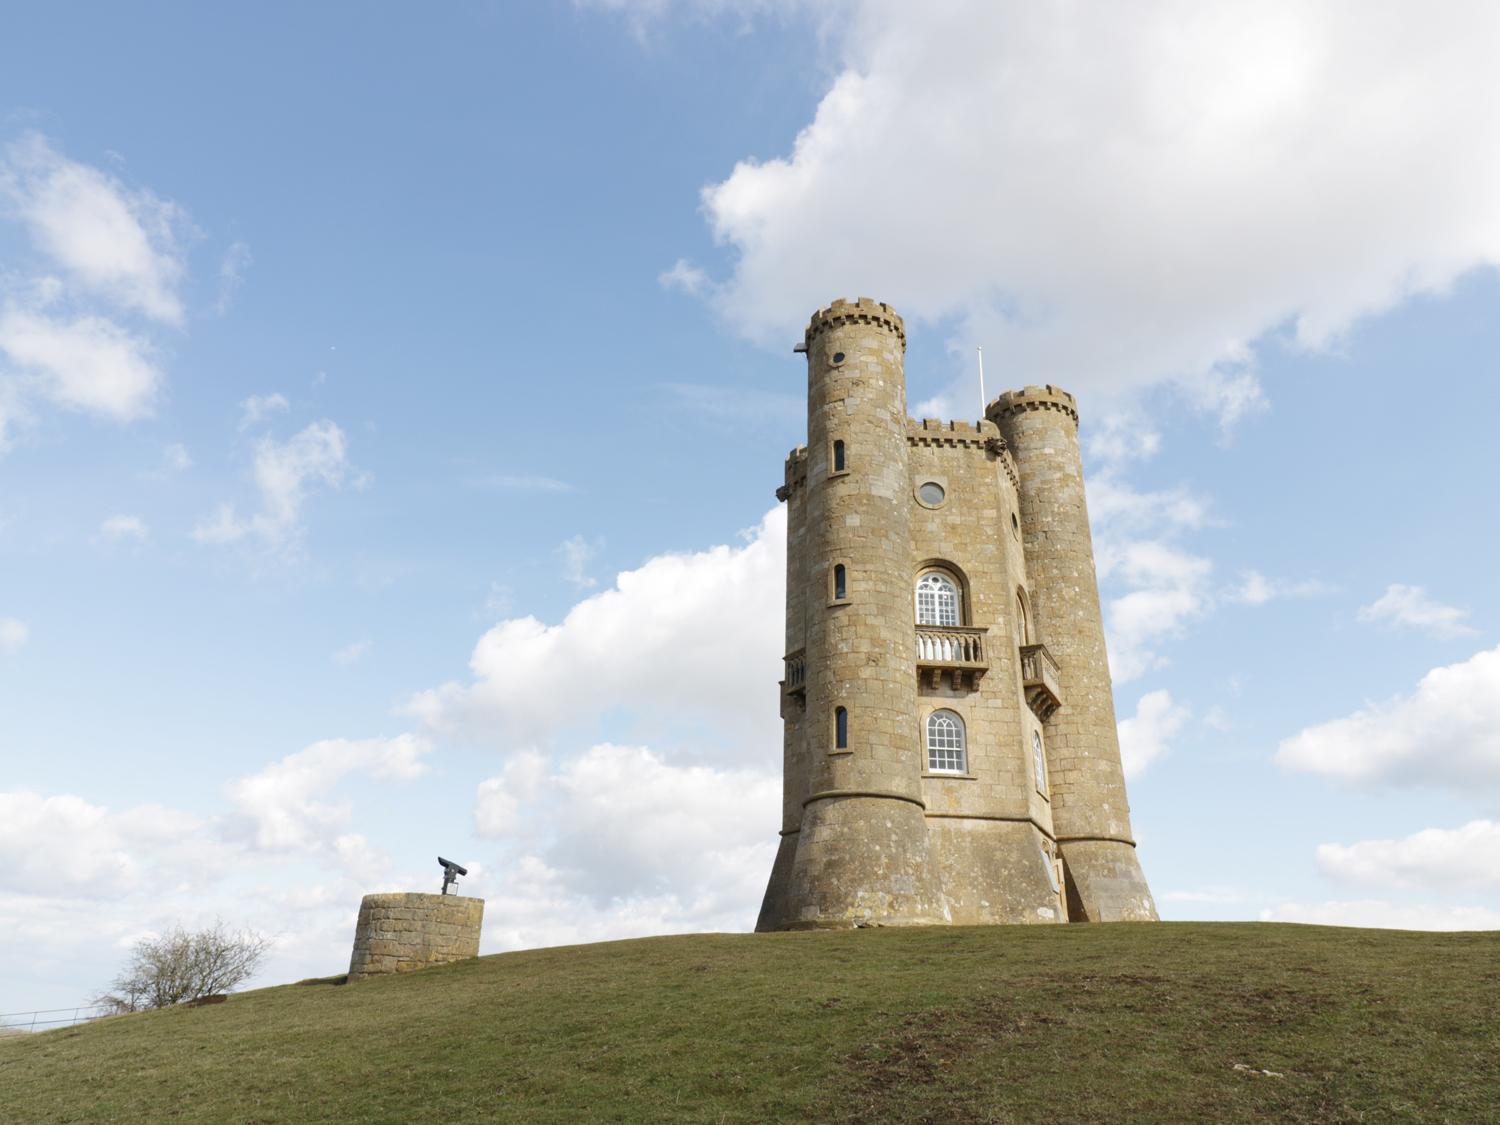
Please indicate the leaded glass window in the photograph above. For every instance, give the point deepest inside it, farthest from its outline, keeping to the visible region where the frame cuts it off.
(946, 749)
(937, 600)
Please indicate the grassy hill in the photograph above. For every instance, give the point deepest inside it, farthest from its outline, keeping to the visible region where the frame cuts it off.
(1149, 1022)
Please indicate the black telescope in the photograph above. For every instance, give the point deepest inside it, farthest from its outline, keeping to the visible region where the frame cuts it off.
(451, 872)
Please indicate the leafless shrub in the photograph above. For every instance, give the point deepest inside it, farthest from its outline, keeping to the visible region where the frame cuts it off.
(181, 965)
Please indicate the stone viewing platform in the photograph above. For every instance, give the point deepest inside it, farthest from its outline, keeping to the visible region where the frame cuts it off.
(397, 933)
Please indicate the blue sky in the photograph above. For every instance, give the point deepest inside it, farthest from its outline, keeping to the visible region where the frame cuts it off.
(392, 401)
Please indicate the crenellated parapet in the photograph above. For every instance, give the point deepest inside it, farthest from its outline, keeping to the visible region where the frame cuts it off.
(866, 311)
(963, 435)
(794, 473)
(1045, 397)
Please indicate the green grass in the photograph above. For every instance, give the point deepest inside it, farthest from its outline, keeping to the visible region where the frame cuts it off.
(1078, 1023)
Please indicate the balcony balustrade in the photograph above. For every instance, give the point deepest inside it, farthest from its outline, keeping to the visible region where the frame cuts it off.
(1040, 681)
(794, 681)
(955, 649)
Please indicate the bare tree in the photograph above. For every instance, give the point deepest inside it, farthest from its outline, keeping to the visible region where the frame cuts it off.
(181, 965)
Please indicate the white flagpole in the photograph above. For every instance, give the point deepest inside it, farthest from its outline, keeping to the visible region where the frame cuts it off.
(982, 403)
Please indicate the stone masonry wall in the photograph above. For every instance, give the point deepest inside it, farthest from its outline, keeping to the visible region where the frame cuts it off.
(397, 933)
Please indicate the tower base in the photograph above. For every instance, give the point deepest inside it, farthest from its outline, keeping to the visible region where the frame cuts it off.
(858, 860)
(1105, 882)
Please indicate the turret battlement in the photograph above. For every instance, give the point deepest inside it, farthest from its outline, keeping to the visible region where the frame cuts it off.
(795, 473)
(1033, 398)
(866, 310)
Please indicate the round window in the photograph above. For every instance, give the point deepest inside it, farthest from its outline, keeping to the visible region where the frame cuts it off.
(838, 357)
(932, 494)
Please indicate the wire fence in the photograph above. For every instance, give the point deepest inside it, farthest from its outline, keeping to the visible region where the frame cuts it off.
(45, 1019)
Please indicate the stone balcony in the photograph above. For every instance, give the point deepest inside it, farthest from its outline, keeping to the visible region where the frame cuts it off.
(957, 650)
(1039, 679)
(794, 679)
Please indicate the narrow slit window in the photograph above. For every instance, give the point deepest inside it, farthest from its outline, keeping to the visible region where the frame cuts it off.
(840, 729)
(1040, 761)
(838, 456)
(840, 583)
(947, 748)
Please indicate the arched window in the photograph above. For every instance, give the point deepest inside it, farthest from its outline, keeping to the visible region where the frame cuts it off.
(840, 729)
(840, 583)
(1023, 620)
(838, 456)
(947, 750)
(1039, 760)
(937, 600)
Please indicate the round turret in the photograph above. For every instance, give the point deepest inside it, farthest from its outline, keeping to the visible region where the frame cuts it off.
(1089, 811)
(858, 853)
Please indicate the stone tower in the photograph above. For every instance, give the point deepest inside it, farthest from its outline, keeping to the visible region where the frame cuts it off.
(950, 752)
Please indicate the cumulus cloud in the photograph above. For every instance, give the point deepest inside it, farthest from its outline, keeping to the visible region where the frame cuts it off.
(620, 822)
(1145, 735)
(257, 408)
(109, 239)
(85, 363)
(1467, 857)
(118, 527)
(1168, 588)
(1119, 194)
(64, 844)
(284, 474)
(282, 807)
(76, 314)
(682, 635)
(1410, 606)
(1445, 733)
(13, 634)
(1378, 914)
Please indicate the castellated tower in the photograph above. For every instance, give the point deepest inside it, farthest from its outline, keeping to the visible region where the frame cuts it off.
(950, 752)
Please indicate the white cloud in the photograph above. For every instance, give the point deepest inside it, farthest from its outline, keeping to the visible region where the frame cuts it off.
(576, 554)
(1125, 193)
(282, 807)
(1446, 733)
(1144, 736)
(13, 634)
(938, 406)
(1170, 588)
(85, 363)
(232, 267)
(351, 653)
(119, 243)
(118, 527)
(64, 844)
(618, 842)
(684, 277)
(1385, 915)
(1410, 606)
(284, 473)
(1435, 857)
(257, 408)
(1254, 588)
(681, 636)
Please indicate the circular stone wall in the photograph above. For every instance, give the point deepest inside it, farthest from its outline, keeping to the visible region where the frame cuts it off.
(401, 932)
